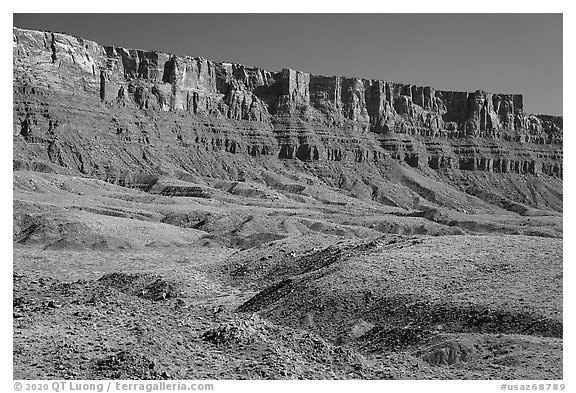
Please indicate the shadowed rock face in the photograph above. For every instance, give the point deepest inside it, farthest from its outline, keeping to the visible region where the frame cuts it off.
(103, 110)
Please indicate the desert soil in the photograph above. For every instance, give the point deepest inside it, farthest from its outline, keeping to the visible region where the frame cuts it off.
(111, 282)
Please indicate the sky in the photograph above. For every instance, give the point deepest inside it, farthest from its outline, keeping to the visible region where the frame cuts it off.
(499, 53)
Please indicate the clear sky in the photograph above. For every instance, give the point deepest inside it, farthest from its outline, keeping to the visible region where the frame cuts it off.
(503, 53)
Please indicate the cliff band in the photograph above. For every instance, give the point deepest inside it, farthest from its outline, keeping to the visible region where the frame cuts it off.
(120, 114)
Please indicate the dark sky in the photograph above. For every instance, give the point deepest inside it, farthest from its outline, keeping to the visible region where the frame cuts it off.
(504, 53)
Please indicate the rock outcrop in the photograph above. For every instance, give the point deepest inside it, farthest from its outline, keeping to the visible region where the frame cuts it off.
(110, 111)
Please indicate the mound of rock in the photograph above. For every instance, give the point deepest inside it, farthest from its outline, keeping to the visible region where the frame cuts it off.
(128, 365)
(236, 331)
(146, 286)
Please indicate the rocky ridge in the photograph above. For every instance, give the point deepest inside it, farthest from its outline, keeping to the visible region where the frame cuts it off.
(116, 113)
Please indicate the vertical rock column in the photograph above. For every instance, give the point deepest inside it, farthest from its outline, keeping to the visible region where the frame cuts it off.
(295, 92)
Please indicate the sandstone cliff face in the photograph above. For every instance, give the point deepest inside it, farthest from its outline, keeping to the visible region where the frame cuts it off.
(106, 110)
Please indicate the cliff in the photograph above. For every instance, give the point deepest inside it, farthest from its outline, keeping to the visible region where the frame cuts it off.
(114, 113)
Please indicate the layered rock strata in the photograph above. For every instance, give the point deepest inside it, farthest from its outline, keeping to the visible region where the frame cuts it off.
(85, 107)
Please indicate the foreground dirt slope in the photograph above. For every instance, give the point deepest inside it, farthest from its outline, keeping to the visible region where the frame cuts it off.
(117, 283)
